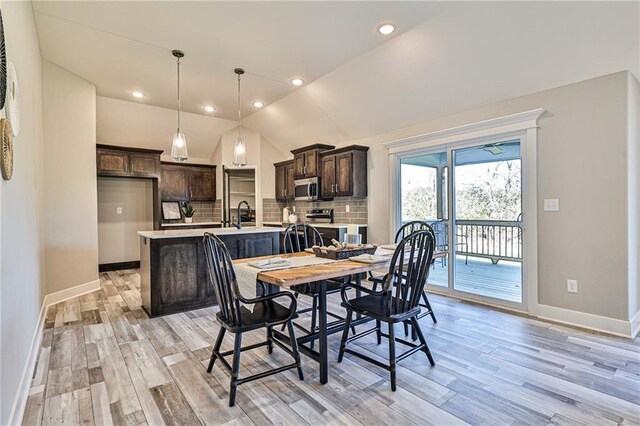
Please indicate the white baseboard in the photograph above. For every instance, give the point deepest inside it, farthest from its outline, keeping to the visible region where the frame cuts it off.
(66, 294)
(589, 321)
(635, 325)
(20, 402)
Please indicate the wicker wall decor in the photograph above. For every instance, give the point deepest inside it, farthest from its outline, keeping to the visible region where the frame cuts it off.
(13, 99)
(3, 65)
(7, 149)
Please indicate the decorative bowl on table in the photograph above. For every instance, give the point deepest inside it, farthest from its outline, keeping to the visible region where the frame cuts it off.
(343, 253)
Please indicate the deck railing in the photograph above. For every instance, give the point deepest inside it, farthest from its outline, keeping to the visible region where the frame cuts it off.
(493, 239)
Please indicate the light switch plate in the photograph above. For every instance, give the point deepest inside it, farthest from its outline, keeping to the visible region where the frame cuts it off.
(572, 286)
(551, 205)
(118, 210)
(347, 208)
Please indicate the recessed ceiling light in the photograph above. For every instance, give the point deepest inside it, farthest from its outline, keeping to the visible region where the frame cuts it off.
(209, 108)
(258, 104)
(297, 81)
(137, 94)
(386, 29)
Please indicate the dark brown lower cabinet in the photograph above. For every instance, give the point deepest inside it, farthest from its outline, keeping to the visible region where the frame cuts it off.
(173, 271)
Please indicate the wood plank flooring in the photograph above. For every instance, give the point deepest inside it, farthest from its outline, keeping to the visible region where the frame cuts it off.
(102, 362)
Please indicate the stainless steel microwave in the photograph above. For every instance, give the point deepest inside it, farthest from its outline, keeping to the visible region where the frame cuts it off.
(307, 189)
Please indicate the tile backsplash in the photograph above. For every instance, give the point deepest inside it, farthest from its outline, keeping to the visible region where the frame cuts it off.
(358, 213)
(206, 211)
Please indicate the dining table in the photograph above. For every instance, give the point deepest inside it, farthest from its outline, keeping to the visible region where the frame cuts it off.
(287, 279)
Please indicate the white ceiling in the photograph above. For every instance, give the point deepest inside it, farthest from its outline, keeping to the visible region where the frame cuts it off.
(445, 58)
(467, 56)
(125, 46)
(124, 123)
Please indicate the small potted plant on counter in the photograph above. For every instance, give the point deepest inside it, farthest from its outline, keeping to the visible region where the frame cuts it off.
(188, 211)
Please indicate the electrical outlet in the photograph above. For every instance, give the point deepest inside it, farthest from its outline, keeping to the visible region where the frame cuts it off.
(118, 210)
(551, 205)
(572, 286)
(347, 208)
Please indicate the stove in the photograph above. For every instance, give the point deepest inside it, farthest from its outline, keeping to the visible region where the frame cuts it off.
(320, 216)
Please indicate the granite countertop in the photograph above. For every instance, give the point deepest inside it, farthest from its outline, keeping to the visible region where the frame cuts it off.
(184, 233)
(189, 224)
(315, 225)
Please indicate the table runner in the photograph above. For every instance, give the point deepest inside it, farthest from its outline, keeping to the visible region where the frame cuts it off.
(247, 275)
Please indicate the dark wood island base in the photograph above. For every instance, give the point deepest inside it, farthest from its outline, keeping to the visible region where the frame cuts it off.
(173, 269)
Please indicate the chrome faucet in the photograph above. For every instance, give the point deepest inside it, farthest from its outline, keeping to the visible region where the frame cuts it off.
(239, 224)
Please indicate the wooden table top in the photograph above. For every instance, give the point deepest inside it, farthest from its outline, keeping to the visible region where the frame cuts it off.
(287, 278)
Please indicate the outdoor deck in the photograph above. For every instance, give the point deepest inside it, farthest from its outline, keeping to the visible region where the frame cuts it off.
(481, 277)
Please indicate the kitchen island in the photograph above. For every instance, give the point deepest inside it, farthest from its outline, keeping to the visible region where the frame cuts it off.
(173, 268)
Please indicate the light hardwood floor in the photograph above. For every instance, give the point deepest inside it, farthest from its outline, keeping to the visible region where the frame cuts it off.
(102, 361)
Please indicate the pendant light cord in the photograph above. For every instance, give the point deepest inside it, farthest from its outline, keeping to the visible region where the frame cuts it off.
(239, 109)
(178, 95)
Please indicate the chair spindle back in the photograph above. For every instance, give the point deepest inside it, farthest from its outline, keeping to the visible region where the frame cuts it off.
(409, 270)
(222, 275)
(411, 227)
(298, 237)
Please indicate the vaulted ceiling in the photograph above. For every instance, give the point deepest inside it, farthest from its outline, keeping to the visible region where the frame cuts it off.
(444, 58)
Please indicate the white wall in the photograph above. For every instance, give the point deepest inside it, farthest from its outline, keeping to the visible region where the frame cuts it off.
(135, 124)
(634, 195)
(118, 240)
(582, 160)
(70, 203)
(21, 267)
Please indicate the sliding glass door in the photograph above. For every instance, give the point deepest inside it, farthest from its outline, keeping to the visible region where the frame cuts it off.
(472, 196)
(424, 197)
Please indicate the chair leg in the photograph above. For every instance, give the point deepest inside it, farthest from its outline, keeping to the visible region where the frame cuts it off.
(270, 339)
(345, 335)
(426, 302)
(379, 331)
(285, 325)
(216, 348)
(294, 349)
(392, 356)
(425, 349)
(314, 317)
(235, 369)
(406, 328)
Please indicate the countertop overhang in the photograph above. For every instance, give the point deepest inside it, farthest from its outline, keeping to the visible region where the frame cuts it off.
(315, 225)
(185, 233)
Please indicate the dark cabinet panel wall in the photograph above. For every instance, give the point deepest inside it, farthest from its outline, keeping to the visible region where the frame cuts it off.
(187, 182)
(127, 162)
(342, 172)
(306, 161)
(284, 180)
(173, 271)
(174, 184)
(328, 170)
(143, 165)
(202, 184)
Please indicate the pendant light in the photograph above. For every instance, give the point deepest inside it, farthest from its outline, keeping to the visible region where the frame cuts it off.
(239, 149)
(179, 142)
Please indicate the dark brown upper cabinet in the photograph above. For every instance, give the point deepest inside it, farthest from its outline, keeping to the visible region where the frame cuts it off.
(187, 182)
(202, 184)
(127, 162)
(343, 172)
(284, 180)
(306, 161)
(174, 185)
